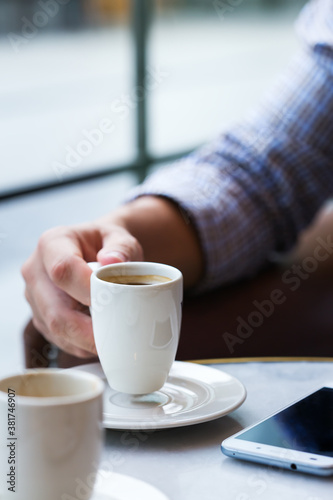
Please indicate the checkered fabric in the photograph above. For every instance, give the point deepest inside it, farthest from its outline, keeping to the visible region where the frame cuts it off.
(255, 187)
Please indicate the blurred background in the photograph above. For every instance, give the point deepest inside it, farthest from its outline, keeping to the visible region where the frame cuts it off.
(95, 93)
(69, 64)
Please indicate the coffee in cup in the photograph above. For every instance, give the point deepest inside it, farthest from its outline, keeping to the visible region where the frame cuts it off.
(150, 279)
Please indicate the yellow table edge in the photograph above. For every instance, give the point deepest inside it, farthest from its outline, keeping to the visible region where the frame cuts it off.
(266, 359)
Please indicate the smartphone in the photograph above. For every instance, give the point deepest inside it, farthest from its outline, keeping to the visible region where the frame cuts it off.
(298, 437)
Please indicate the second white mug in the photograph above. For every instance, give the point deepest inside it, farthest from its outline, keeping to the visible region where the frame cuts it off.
(51, 434)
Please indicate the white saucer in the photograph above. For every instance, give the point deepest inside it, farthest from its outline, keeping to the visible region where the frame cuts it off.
(192, 394)
(120, 487)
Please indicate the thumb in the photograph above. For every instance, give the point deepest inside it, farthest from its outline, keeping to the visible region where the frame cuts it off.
(119, 246)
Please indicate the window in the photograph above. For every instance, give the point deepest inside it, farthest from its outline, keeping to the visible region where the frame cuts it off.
(75, 74)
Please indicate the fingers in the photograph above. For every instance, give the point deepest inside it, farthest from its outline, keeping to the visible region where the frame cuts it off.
(58, 280)
(65, 251)
(65, 339)
(57, 314)
(62, 254)
(60, 318)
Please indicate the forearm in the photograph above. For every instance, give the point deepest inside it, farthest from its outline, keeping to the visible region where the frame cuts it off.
(164, 233)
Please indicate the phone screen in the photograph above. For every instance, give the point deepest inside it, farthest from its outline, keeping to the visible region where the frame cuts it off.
(305, 426)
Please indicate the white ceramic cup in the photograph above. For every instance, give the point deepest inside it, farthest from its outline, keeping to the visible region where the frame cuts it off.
(136, 327)
(51, 434)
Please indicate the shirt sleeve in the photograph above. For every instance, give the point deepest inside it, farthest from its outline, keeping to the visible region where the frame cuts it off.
(255, 187)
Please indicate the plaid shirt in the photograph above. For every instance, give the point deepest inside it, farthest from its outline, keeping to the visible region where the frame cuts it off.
(254, 188)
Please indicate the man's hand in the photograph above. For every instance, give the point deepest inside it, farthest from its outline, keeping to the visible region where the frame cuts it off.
(58, 279)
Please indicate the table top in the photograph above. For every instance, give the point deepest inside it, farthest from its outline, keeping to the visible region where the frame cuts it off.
(186, 463)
